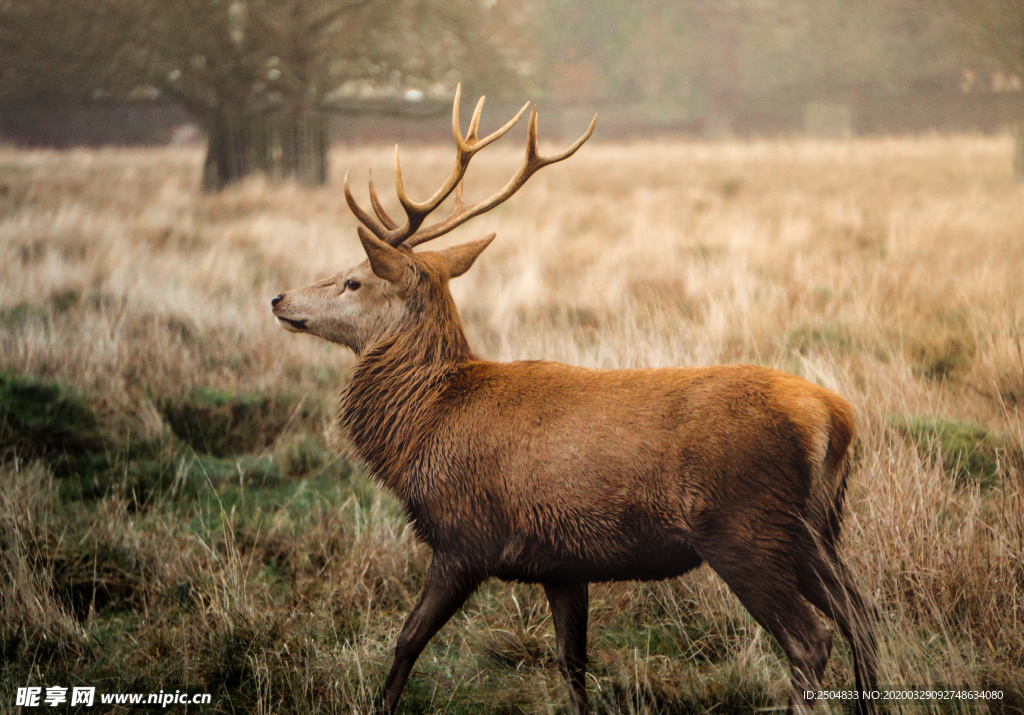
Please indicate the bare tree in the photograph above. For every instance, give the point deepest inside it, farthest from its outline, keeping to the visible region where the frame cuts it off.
(256, 74)
(253, 72)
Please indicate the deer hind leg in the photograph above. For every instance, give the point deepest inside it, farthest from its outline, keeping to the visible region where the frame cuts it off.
(444, 591)
(826, 583)
(569, 604)
(767, 587)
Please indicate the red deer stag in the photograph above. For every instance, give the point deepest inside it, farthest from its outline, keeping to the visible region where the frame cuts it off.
(546, 473)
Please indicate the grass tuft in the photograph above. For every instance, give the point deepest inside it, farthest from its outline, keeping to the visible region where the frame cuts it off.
(223, 423)
(970, 454)
(43, 419)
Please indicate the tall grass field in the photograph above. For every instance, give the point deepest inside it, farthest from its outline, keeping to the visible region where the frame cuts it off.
(172, 518)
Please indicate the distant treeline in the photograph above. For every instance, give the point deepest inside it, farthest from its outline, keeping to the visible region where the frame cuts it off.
(147, 123)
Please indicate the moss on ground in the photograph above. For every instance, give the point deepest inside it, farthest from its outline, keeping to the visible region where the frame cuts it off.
(970, 454)
(217, 441)
(41, 419)
(223, 423)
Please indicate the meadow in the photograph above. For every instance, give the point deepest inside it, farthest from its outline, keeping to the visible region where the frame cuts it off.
(172, 518)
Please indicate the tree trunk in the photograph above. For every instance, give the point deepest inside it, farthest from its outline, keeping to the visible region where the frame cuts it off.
(228, 150)
(282, 143)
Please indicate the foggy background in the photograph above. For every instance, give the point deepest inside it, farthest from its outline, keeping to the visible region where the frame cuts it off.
(272, 84)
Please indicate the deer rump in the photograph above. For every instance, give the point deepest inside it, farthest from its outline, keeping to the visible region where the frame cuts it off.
(538, 472)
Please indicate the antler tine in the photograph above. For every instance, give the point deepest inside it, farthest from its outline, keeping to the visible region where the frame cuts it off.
(533, 163)
(417, 211)
(497, 134)
(378, 208)
(555, 158)
(459, 205)
(466, 148)
(474, 122)
(475, 144)
(364, 218)
(471, 139)
(414, 212)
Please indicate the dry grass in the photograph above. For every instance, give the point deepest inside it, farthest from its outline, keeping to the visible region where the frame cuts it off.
(889, 270)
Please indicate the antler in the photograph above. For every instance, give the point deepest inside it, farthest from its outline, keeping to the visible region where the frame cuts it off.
(410, 234)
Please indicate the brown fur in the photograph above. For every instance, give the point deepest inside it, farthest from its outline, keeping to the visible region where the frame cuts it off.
(547, 473)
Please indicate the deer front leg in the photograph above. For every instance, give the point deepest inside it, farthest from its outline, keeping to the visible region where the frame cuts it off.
(444, 592)
(569, 604)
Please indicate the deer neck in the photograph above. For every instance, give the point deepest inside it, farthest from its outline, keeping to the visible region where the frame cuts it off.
(390, 405)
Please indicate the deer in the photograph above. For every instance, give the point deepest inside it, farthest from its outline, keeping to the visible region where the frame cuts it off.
(551, 474)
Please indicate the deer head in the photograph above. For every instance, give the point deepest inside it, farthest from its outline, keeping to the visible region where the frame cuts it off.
(363, 305)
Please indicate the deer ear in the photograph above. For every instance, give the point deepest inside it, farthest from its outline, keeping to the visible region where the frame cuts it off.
(458, 259)
(387, 262)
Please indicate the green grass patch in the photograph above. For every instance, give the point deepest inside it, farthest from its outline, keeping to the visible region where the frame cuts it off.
(254, 503)
(42, 419)
(969, 453)
(219, 443)
(692, 641)
(223, 423)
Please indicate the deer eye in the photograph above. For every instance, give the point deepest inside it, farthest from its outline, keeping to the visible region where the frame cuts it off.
(352, 284)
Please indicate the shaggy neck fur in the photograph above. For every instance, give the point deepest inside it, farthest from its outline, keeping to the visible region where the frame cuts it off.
(388, 407)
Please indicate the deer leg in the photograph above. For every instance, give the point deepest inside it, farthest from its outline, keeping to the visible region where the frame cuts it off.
(767, 588)
(569, 605)
(444, 592)
(827, 584)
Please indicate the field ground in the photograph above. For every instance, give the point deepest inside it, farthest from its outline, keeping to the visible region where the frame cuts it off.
(171, 518)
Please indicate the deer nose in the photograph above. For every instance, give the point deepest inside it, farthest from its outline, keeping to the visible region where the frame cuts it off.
(275, 300)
